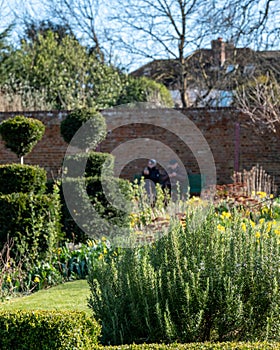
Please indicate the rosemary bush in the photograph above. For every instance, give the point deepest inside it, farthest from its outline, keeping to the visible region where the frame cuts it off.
(211, 279)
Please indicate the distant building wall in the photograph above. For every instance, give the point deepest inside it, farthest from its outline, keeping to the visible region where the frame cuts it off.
(234, 142)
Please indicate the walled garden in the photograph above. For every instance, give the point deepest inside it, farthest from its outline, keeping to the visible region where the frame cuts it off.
(198, 273)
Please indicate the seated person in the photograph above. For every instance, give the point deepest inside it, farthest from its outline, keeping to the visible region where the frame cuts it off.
(151, 172)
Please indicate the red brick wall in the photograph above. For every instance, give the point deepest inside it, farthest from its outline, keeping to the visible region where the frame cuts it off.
(234, 142)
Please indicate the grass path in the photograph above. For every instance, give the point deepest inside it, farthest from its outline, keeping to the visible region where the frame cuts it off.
(67, 296)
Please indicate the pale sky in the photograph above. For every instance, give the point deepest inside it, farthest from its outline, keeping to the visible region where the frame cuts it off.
(10, 9)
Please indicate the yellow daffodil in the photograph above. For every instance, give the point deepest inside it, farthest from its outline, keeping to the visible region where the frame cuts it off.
(36, 279)
(183, 223)
(252, 223)
(243, 227)
(247, 213)
(226, 215)
(261, 221)
(261, 194)
(264, 210)
(269, 226)
(258, 234)
(90, 243)
(8, 279)
(221, 228)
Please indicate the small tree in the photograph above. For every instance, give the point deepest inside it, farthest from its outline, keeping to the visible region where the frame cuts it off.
(21, 134)
(259, 100)
(73, 122)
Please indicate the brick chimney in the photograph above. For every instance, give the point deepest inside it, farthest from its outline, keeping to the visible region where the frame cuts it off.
(218, 52)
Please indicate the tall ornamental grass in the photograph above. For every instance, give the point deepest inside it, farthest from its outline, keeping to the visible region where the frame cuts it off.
(216, 278)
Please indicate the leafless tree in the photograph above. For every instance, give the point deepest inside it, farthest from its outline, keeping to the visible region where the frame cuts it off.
(166, 29)
(158, 29)
(86, 20)
(260, 100)
(7, 19)
(250, 23)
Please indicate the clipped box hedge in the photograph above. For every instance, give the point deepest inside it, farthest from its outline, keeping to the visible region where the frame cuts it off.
(47, 330)
(101, 205)
(22, 178)
(198, 346)
(95, 164)
(32, 222)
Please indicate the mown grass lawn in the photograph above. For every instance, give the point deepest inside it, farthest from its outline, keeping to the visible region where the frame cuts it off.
(67, 296)
(73, 296)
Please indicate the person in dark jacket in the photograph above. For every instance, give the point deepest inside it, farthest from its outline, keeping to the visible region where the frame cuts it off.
(151, 172)
(151, 175)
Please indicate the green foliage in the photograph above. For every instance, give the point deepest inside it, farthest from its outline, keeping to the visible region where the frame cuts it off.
(22, 178)
(63, 71)
(68, 262)
(5, 50)
(198, 283)
(72, 260)
(21, 134)
(20, 277)
(52, 70)
(96, 163)
(99, 203)
(144, 90)
(98, 196)
(92, 135)
(108, 197)
(198, 346)
(33, 222)
(47, 330)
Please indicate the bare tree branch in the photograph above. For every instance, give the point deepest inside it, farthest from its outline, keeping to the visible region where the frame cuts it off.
(158, 29)
(260, 101)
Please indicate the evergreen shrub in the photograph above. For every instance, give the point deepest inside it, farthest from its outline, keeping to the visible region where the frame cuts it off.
(144, 90)
(199, 346)
(45, 330)
(74, 121)
(99, 202)
(21, 134)
(32, 222)
(95, 164)
(22, 178)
